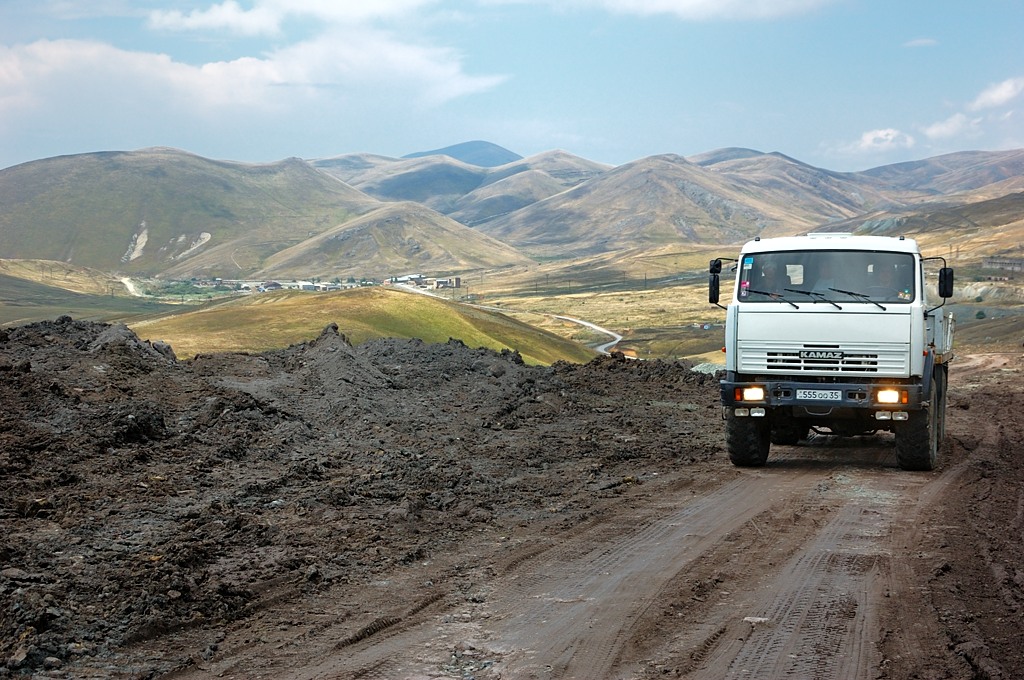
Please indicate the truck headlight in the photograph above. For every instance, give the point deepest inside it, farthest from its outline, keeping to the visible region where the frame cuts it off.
(890, 395)
(753, 393)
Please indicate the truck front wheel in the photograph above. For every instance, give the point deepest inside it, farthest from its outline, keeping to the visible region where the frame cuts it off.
(747, 440)
(917, 440)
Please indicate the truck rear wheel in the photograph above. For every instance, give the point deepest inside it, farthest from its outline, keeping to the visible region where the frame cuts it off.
(941, 385)
(747, 440)
(917, 440)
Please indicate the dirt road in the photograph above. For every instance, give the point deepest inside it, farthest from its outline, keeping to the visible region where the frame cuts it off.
(399, 510)
(786, 572)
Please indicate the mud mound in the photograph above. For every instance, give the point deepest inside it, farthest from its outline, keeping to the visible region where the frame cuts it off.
(141, 495)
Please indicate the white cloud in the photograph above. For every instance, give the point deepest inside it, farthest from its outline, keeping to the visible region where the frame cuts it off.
(987, 122)
(880, 141)
(340, 75)
(267, 16)
(54, 73)
(987, 117)
(346, 11)
(921, 42)
(14, 76)
(346, 52)
(998, 94)
(374, 59)
(955, 126)
(227, 16)
(701, 10)
(329, 72)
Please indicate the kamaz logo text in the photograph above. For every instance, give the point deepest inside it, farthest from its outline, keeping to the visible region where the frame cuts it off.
(820, 354)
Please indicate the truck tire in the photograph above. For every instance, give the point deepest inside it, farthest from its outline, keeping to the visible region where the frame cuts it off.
(747, 440)
(917, 440)
(941, 384)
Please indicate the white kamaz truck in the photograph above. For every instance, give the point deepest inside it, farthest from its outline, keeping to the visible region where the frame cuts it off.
(834, 332)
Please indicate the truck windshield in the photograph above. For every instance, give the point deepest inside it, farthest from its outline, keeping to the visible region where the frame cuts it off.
(827, 275)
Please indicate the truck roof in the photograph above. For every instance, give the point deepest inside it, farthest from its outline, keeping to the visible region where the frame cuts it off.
(832, 241)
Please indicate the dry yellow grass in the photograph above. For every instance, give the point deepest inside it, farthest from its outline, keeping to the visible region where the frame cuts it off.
(667, 322)
(970, 247)
(274, 320)
(620, 310)
(62, 275)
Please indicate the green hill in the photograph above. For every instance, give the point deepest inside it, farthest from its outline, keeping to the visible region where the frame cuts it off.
(160, 210)
(273, 320)
(396, 239)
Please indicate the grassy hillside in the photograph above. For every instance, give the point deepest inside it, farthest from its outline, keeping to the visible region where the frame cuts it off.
(273, 320)
(65, 276)
(650, 203)
(802, 191)
(964, 234)
(167, 213)
(467, 192)
(396, 239)
(24, 301)
(656, 299)
(503, 197)
(954, 172)
(434, 181)
(163, 210)
(1003, 334)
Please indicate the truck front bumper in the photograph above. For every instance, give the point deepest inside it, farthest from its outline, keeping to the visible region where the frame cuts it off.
(880, 401)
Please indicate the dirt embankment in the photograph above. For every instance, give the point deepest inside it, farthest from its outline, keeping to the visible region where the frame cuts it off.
(399, 509)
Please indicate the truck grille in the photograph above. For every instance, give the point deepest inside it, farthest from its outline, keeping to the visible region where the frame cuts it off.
(847, 359)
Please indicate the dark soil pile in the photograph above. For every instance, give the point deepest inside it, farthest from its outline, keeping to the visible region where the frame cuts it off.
(141, 495)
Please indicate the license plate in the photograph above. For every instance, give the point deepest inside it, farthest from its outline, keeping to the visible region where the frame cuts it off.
(820, 395)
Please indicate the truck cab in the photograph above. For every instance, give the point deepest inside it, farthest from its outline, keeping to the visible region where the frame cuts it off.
(834, 332)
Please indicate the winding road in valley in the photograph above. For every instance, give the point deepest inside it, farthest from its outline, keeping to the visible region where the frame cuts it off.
(603, 348)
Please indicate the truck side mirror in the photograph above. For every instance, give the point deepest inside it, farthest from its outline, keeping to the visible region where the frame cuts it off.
(713, 285)
(946, 282)
(716, 266)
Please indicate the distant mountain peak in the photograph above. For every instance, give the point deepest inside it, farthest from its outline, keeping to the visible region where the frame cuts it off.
(480, 153)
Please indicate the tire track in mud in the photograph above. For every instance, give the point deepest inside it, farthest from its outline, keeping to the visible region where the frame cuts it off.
(567, 611)
(570, 615)
(820, 613)
(911, 639)
(819, 619)
(787, 598)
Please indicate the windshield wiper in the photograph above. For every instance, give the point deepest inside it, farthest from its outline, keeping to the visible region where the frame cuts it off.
(818, 297)
(862, 296)
(774, 296)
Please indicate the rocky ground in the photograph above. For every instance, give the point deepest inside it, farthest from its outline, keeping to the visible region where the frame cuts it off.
(148, 503)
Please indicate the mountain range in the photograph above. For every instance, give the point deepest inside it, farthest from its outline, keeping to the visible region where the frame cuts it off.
(475, 206)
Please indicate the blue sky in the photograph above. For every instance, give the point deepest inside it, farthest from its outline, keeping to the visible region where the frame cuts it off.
(840, 84)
